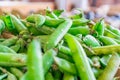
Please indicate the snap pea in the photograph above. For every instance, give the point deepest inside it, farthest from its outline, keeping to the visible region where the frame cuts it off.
(9, 59)
(18, 24)
(2, 26)
(99, 27)
(78, 54)
(111, 68)
(90, 41)
(68, 76)
(37, 19)
(48, 60)
(107, 40)
(16, 72)
(111, 34)
(114, 30)
(6, 49)
(65, 65)
(97, 72)
(50, 13)
(106, 49)
(9, 24)
(118, 41)
(34, 61)
(58, 34)
(53, 22)
(80, 22)
(66, 57)
(11, 77)
(105, 59)
(10, 41)
(79, 30)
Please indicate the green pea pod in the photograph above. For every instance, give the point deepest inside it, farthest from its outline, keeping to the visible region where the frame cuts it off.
(58, 34)
(37, 19)
(50, 13)
(64, 50)
(58, 12)
(116, 40)
(48, 60)
(9, 23)
(65, 65)
(9, 59)
(17, 46)
(80, 58)
(10, 41)
(106, 49)
(2, 26)
(104, 60)
(3, 76)
(80, 22)
(90, 41)
(34, 61)
(16, 72)
(114, 30)
(49, 76)
(6, 49)
(19, 26)
(11, 77)
(66, 57)
(107, 40)
(111, 69)
(53, 22)
(68, 76)
(111, 34)
(79, 30)
(99, 27)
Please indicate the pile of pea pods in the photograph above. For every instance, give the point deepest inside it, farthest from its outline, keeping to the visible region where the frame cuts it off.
(53, 47)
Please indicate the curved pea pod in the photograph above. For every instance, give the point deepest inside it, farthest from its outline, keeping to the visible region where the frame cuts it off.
(58, 34)
(2, 26)
(80, 58)
(111, 69)
(53, 22)
(10, 41)
(111, 34)
(49, 76)
(116, 40)
(90, 41)
(19, 26)
(9, 59)
(37, 19)
(6, 49)
(34, 61)
(16, 72)
(9, 23)
(79, 30)
(68, 76)
(114, 30)
(80, 22)
(107, 40)
(65, 65)
(99, 28)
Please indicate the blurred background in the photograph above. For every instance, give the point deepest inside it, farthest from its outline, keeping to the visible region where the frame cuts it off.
(93, 9)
